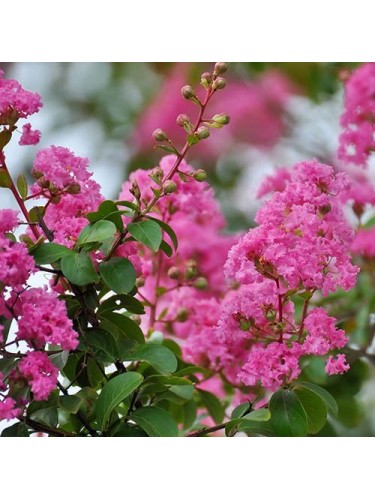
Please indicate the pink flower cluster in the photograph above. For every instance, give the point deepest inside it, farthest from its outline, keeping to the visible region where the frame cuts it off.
(29, 137)
(358, 120)
(40, 373)
(195, 216)
(16, 102)
(65, 181)
(300, 246)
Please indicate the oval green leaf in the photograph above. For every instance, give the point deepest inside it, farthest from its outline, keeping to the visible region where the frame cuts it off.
(50, 252)
(118, 274)
(113, 393)
(326, 396)
(100, 231)
(213, 405)
(314, 407)
(79, 269)
(147, 232)
(158, 356)
(288, 417)
(155, 421)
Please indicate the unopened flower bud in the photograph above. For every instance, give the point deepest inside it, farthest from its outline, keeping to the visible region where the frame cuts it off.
(219, 84)
(157, 174)
(200, 283)
(206, 79)
(182, 315)
(220, 68)
(174, 273)
(73, 188)
(139, 282)
(182, 119)
(55, 199)
(200, 175)
(159, 135)
(36, 174)
(191, 269)
(169, 187)
(43, 183)
(187, 92)
(203, 132)
(222, 119)
(135, 189)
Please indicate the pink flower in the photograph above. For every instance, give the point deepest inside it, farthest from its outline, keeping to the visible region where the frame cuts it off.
(357, 138)
(275, 182)
(364, 242)
(323, 335)
(42, 319)
(29, 137)
(336, 366)
(40, 373)
(16, 102)
(16, 265)
(8, 410)
(8, 220)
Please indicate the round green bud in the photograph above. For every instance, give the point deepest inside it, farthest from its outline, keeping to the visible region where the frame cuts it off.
(159, 135)
(219, 84)
(174, 273)
(203, 132)
(200, 175)
(169, 187)
(73, 188)
(55, 200)
(157, 174)
(223, 119)
(187, 92)
(182, 315)
(182, 119)
(200, 283)
(220, 68)
(206, 78)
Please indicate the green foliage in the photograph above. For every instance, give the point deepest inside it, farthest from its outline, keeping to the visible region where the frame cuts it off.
(79, 269)
(158, 356)
(156, 422)
(118, 274)
(288, 416)
(113, 393)
(213, 405)
(47, 253)
(147, 232)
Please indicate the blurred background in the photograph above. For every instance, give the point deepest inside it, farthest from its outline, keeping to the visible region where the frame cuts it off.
(280, 113)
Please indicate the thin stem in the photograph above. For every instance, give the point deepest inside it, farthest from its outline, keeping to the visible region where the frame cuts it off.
(83, 420)
(18, 199)
(303, 317)
(207, 430)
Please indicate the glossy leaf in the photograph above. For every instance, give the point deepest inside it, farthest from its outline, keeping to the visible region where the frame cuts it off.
(97, 233)
(168, 229)
(213, 405)
(147, 232)
(158, 356)
(16, 430)
(118, 274)
(50, 252)
(117, 302)
(314, 407)
(79, 269)
(157, 422)
(327, 397)
(113, 393)
(22, 186)
(118, 324)
(288, 418)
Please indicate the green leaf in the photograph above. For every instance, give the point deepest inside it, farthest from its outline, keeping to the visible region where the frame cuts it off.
(113, 393)
(124, 430)
(79, 269)
(252, 427)
(158, 356)
(70, 403)
(155, 421)
(128, 204)
(213, 405)
(261, 415)
(183, 391)
(5, 180)
(167, 228)
(36, 212)
(327, 397)
(50, 252)
(167, 249)
(192, 139)
(147, 232)
(59, 359)
(240, 410)
(118, 325)
(122, 301)
(5, 137)
(118, 274)
(314, 407)
(288, 418)
(48, 416)
(102, 344)
(107, 211)
(22, 186)
(98, 232)
(16, 430)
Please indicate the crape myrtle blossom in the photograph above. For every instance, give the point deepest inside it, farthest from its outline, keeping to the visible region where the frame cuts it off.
(64, 180)
(301, 245)
(29, 137)
(16, 102)
(358, 120)
(40, 373)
